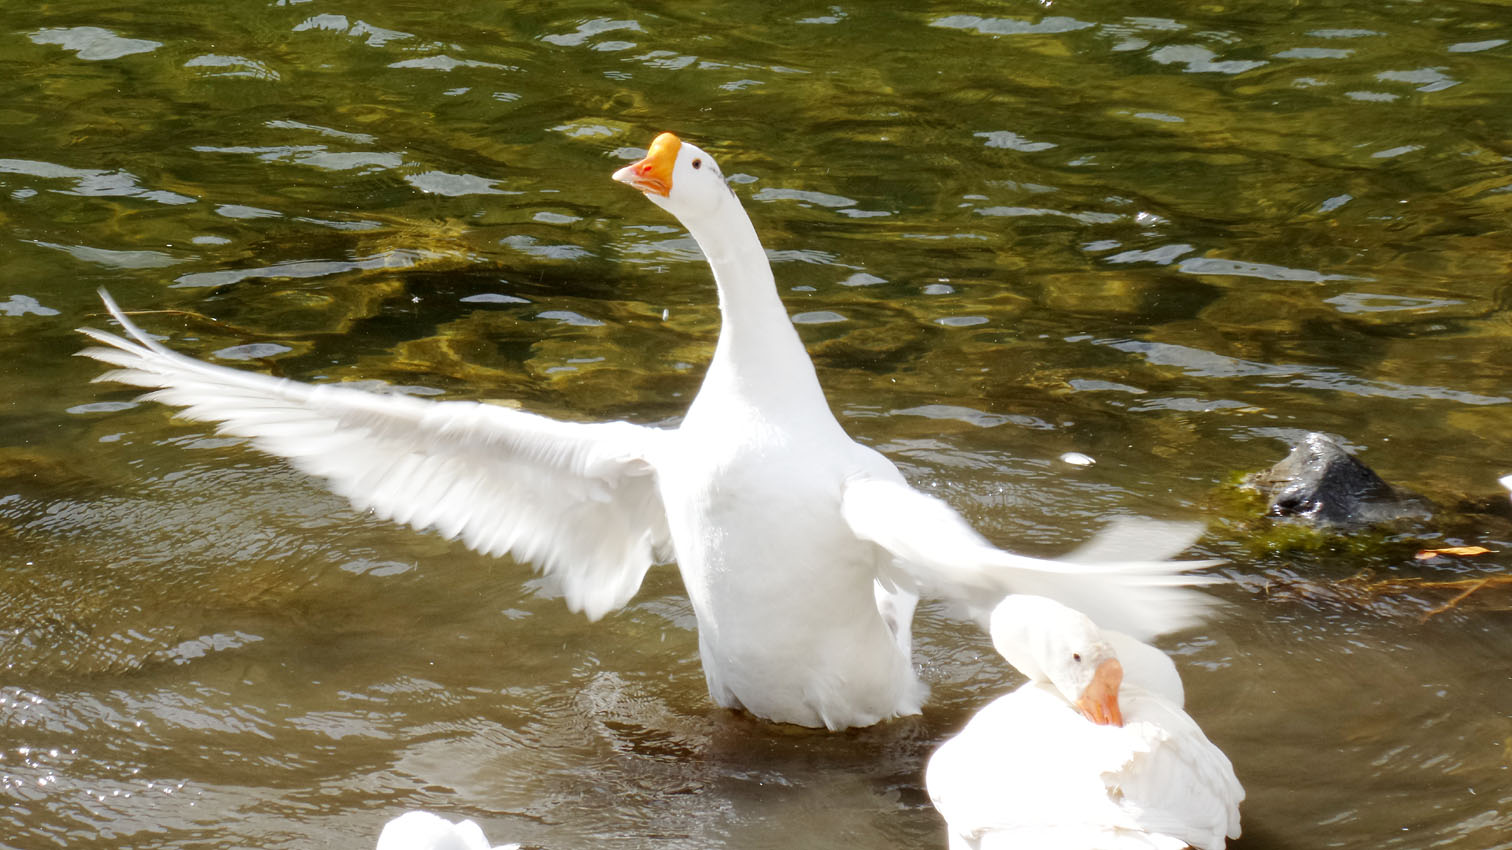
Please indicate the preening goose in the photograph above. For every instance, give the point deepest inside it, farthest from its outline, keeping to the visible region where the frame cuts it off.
(1090, 754)
(802, 551)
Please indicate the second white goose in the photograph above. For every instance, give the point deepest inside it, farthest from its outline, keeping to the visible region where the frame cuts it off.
(1094, 753)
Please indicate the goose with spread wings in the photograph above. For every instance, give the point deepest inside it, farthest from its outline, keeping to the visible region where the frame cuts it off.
(802, 551)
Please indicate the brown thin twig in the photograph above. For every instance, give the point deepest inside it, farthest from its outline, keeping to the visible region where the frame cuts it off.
(1456, 600)
(1363, 590)
(190, 313)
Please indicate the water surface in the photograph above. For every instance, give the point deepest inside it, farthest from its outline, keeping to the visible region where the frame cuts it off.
(1171, 239)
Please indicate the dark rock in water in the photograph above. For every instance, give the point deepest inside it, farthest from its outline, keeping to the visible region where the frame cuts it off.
(1324, 484)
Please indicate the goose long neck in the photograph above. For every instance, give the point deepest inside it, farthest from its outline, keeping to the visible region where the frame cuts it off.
(758, 345)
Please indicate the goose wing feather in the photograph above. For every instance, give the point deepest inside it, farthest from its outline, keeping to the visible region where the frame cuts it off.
(935, 547)
(578, 500)
(1177, 783)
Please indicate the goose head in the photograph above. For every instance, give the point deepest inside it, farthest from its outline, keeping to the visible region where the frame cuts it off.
(1051, 643)
(679, 177)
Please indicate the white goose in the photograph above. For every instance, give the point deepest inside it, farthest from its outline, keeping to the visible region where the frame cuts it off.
(425, 831)
(802, 551)
(1093, 753)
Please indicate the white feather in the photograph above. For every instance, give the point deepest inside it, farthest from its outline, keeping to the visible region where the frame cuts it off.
(935, 546)
(579, 500)
(426, 831)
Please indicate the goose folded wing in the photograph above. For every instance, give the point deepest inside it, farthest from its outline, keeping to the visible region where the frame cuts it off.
(578, 500)
(1177, 782)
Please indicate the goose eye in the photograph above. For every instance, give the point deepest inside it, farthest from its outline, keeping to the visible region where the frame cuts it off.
(1076, 656)
(698, 163)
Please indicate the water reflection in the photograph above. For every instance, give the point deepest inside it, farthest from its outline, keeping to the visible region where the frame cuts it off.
(1163, 241)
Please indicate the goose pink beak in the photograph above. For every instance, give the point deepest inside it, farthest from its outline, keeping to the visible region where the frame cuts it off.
(1099, 702)
(653, 175)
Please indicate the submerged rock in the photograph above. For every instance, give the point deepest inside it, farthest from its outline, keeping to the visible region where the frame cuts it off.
(1324, 484)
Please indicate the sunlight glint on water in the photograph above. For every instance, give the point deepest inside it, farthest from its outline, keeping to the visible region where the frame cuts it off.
(1170, 242)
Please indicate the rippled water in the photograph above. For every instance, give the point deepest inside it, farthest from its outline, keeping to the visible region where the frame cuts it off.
(1170, 240)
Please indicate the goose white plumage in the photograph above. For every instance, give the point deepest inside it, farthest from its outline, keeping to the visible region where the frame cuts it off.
(426, 831)
(1093, 753)
(802, 551)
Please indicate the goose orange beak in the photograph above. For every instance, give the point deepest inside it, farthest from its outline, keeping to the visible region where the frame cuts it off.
(1099, 702)
(653, 175)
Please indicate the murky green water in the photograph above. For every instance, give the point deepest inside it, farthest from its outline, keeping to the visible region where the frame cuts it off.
(1170, 237)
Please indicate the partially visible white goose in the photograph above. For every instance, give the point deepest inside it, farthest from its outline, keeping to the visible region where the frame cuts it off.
(425, 831)
(1506, 481)
(803, 552)
(1090, 754)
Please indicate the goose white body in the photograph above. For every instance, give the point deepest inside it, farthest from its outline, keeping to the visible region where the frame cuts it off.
(802, 551)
